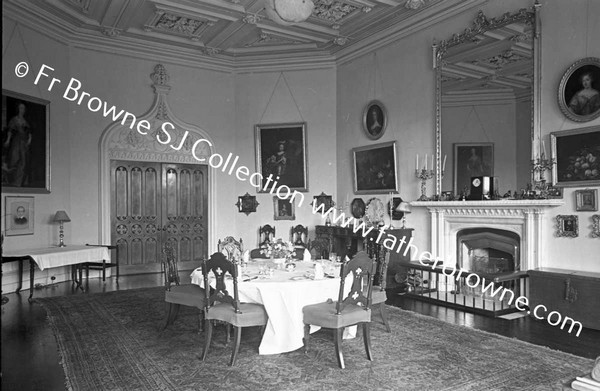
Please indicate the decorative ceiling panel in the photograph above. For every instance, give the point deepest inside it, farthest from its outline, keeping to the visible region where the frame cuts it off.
(333, 11)
(175, 24)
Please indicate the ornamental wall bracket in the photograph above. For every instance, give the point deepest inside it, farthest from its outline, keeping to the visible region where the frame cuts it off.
(247, 204)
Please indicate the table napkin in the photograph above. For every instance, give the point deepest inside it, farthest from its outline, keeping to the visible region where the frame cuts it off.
(306, 255)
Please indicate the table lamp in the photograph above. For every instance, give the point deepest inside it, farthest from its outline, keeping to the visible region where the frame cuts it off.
(61, 217)
(405, 208)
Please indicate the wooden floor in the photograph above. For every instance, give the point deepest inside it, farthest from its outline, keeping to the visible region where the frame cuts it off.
(30, 357)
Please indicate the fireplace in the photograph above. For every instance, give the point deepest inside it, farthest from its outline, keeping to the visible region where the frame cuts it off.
(523, 218)
(488, 251)
(497, 241)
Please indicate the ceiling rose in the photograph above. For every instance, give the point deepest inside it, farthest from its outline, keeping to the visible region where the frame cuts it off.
(287, 12)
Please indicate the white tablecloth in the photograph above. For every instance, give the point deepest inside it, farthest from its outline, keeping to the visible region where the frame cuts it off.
(283, 299)
(62, 256)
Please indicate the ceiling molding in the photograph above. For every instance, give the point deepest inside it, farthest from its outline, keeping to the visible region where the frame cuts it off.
(212, 33)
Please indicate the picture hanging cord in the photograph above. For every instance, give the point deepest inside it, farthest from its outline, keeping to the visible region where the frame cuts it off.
(18, 30)
(587, 29)
(378, 73)
(281, 76)
(473, 110)
(372, 80)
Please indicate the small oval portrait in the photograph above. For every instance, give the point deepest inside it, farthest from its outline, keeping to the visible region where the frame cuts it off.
(579, 90)
(374, 119)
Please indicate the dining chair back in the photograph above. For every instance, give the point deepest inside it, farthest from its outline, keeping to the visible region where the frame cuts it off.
(176, 294)
(266, 234)
(300, 235)
(231, 248)
(319, 248)
(350, 309)
(221, 306)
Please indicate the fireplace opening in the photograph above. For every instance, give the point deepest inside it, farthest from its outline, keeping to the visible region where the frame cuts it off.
(488, 251)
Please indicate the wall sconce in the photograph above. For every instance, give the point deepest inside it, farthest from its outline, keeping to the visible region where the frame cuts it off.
(61, 217)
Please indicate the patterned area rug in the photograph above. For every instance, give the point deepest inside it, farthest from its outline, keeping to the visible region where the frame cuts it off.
(113, 341)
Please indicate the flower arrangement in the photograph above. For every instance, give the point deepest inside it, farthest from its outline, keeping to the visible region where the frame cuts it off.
(278, 249)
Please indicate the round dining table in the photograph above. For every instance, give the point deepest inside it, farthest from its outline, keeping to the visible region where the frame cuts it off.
(284, 293)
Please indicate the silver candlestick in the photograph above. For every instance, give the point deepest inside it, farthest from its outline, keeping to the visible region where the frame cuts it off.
(424, 174)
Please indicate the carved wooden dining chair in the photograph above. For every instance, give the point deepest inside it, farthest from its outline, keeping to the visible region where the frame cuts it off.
(266, 234)
(231, 248)
(349, 310)
(177, 294)
(221, 306)
(300, 235)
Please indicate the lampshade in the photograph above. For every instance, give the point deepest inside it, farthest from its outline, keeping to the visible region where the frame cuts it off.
(61, 216)
(403, 207)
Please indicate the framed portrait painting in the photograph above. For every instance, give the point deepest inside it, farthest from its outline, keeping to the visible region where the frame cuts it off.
(281, 152)
(576, 153)
(567, 226)
(324, 199)
(283, 209)
(585, 200)
(579, 90)
(375, 168)
(470, 160)
(25, 144)
(374, 119)
(19, 216)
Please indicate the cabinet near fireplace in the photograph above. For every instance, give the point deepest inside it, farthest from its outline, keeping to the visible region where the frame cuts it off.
(570, 293)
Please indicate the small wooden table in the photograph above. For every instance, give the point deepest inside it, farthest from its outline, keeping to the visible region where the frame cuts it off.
(54, 257)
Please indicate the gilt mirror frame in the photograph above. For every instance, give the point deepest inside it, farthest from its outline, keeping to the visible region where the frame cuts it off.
(480, 25)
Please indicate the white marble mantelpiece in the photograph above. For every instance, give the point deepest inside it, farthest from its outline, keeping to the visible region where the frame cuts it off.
(523, 217)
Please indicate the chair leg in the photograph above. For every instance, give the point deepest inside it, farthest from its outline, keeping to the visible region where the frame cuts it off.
(237, 337)
(200, 322)
(367, 339)
(383, 312)
(228, 334)
(171, 310)
(338, 333)
(207, 337)
(306, 336)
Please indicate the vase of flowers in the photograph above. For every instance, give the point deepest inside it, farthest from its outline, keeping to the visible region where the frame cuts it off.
(279, 251)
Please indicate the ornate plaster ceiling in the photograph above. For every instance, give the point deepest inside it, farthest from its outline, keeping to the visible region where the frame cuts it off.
(230, 32)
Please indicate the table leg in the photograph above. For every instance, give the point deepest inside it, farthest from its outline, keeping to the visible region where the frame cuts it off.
(20, 276)
(31, 278)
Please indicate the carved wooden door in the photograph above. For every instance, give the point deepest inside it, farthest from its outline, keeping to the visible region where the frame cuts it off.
(152, 203)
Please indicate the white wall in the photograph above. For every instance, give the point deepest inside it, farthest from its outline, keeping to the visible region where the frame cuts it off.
(274, 97)
(574, 36)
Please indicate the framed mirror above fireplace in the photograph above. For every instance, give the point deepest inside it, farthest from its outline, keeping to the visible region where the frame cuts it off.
(487, 91)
